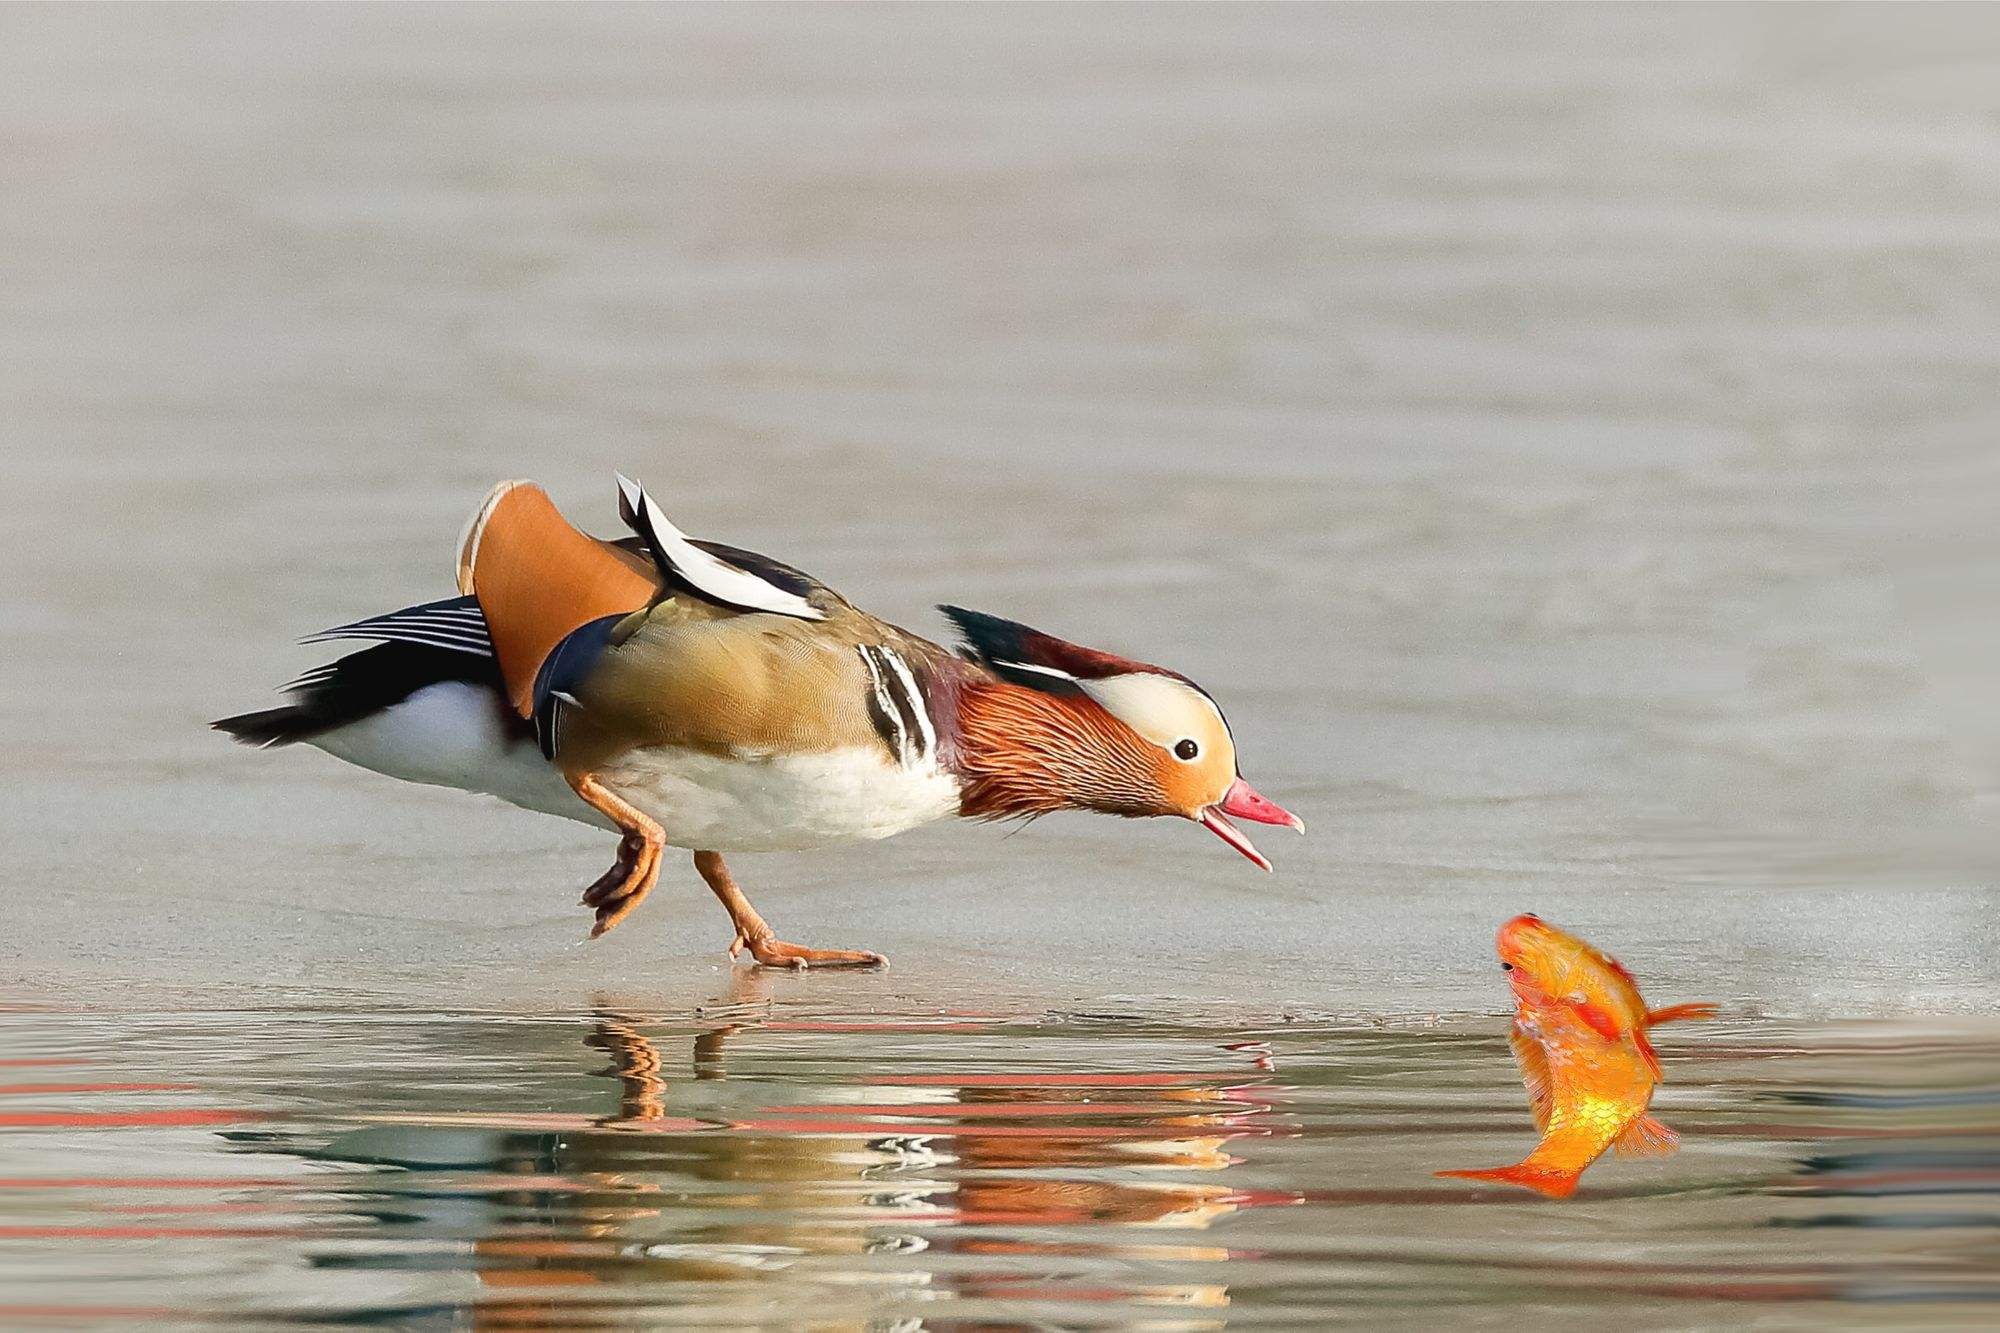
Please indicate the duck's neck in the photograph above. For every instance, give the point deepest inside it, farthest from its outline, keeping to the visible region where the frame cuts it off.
(1023, 753)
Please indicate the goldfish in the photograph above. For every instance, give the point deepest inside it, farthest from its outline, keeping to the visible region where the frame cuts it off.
(1580, 1036)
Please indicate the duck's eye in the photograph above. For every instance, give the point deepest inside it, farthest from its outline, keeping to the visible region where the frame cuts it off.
(1186, 749)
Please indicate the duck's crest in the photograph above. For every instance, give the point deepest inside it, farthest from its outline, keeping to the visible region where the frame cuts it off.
(1027, 656)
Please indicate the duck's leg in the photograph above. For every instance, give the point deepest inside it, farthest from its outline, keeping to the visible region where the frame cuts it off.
(632, 876)
(753, 933)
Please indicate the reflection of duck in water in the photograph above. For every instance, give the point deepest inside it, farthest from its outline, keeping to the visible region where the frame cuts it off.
(689, 1182)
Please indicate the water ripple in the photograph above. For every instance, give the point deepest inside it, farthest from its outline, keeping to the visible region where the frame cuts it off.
(769, 1165)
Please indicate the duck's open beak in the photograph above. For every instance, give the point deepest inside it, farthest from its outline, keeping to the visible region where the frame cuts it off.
(1242, 801)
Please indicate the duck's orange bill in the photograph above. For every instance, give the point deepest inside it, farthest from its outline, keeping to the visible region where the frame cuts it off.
(1242, 801)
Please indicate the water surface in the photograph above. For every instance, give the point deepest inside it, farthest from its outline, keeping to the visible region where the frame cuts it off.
(769, 1162)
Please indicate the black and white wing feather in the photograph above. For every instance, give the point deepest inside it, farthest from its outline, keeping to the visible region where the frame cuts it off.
(685, 564)
(456, 624)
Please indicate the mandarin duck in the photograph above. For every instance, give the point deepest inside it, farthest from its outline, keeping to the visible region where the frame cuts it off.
(689, 694)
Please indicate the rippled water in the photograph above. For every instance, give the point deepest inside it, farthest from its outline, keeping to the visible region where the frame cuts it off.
(772, 1163)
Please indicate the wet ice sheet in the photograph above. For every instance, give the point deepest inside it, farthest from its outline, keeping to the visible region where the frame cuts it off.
(1561, 437)
(770, 1163)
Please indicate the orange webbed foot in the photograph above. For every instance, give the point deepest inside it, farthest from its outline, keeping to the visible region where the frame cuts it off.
(623, 887)
(631, 877)
(774, 952)
(614, 883)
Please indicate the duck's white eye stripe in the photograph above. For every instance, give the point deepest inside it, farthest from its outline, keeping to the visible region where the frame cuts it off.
(910, 701)
(1030, 666)
(1159, 708)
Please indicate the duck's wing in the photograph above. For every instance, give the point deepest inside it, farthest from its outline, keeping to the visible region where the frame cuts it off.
(749, 686)
(362, 685)
(538, 580)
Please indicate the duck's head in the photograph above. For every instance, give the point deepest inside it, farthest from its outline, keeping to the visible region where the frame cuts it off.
(1069, 727)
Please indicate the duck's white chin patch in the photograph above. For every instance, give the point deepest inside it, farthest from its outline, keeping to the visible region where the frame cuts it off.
(1218, 823)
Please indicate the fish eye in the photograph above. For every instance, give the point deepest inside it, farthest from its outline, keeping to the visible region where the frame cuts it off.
(1531, 916)
(1185, 748)
(1506, 967)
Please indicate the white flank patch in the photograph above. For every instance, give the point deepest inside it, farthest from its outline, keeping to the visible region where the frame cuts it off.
(452, 734)
(783, 803)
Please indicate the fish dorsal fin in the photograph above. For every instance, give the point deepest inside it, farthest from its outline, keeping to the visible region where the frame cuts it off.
(538, 579)
(687, 566)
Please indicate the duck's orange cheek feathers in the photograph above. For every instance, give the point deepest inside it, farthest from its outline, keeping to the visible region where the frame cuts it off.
(1189, 788)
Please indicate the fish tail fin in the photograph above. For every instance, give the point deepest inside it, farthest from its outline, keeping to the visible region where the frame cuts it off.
(1680, 1013)
(1551, 1183)
(1646, 1137)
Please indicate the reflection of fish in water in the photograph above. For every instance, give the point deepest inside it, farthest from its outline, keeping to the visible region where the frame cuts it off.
(1580, 1036)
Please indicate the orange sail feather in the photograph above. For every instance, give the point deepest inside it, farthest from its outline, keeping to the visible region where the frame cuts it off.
(538, 580)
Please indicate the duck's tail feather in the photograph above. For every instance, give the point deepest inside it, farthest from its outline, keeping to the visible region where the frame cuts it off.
(455, 623)
(354, 687)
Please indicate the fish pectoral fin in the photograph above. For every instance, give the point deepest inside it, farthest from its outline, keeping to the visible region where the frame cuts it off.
(1680, 1013)
(1648, 1054)
(1534, 1063)
(1542, 1180)
(1646, 1137)
(1601, 1021)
